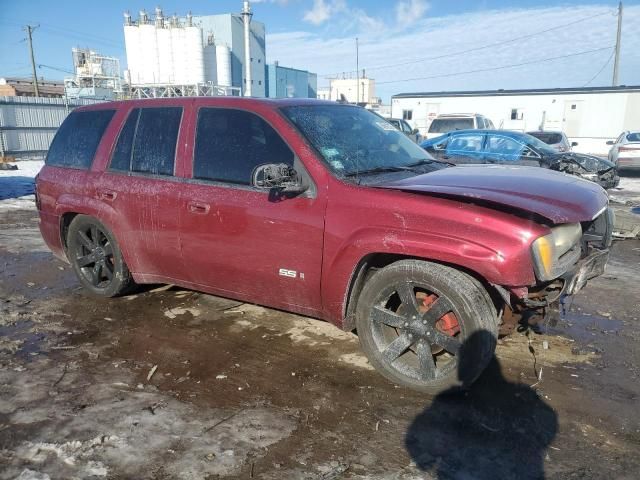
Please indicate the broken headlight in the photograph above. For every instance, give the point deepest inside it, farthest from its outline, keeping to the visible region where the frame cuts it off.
(555, 253)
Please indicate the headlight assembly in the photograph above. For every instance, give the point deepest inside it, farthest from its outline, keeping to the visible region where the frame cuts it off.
(554, 253)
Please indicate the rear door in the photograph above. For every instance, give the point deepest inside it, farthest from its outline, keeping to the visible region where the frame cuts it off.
(141, 186)
(507, 150)
(243, 241)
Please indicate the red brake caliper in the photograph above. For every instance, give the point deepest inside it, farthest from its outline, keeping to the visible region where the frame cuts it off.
(448, 323)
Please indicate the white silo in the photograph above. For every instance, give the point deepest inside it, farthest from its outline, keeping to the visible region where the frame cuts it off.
(194, 55)
(210, 69)
(223, 63)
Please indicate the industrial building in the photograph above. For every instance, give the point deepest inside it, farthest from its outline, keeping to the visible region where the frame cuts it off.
(352, 90)
(96, 76)
(24, 87)
(204, 55)
(588, 115)
(285, 82)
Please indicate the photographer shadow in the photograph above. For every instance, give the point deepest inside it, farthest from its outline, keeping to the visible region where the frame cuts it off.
(495, 430)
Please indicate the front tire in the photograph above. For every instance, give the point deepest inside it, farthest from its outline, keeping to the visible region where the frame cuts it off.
(426, 326)
(96, 258)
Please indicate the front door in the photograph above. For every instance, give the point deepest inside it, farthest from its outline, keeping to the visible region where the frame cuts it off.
(241, 241)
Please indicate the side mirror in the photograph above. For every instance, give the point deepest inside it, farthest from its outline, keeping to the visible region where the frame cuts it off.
(610, 142)
(277, 176)
(440, 146)
(414, 131)
(574, 144)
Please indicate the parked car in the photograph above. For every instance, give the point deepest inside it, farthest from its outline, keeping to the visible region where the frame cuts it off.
(517, 148)
(625, 151)
(320, 209)
(556, 140)
(449, 122)
(405, 128)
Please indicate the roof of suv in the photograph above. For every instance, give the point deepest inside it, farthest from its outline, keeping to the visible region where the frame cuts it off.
(227, 101)
(458, 115)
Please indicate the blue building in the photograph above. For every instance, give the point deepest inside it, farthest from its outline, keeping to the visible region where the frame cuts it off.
(284, 82)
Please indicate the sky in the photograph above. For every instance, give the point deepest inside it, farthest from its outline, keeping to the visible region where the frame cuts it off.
(405, 45)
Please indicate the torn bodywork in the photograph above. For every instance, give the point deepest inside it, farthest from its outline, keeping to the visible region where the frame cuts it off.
(588, 167)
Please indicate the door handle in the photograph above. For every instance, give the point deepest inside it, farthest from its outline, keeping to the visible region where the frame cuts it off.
(198, 207)
(108, 195)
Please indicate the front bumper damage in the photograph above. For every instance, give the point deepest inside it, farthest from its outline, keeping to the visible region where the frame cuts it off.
(530, 304)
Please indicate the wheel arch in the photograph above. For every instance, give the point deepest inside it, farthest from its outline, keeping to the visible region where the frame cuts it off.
(374, 261)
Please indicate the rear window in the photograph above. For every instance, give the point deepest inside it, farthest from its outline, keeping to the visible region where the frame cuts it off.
(546, 137)
(444, 125)
(77, 139)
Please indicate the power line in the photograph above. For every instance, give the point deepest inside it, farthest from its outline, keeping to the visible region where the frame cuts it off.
(501, 67)
(601, 69)
(481, 47)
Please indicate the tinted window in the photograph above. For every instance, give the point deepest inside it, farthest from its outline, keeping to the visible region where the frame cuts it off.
(547, 137)
(121, 158)
(444, 125)
(465, 143)
(77, 139)
(154, 147)
(147, 141)
(230, 144)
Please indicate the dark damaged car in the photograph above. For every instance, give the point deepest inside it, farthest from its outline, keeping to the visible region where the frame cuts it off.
(515, 148)
(321, 209)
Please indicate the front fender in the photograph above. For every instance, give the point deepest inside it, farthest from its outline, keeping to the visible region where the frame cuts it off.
(495, 266)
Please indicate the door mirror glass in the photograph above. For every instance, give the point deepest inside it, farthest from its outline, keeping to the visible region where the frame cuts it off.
(574, 144)
(277, 176)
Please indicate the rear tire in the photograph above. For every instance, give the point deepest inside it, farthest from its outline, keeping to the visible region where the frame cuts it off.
(426, 326)
(96, 258)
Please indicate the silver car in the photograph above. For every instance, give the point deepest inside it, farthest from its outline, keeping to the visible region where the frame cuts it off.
(556, 140)
(625, 151)
(405, 128)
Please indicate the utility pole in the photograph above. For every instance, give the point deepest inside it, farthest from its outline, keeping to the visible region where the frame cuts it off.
(29, 29)
(616, 62)
(357, 74)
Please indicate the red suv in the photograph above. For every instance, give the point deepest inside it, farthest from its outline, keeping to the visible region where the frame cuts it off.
(321, 209)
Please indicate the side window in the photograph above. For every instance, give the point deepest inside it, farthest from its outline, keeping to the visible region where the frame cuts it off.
(154, 147)
(500, 145)
(230, 144)
(406, 128)
(465, 143)
(121, 158)
(77, 139)
(147, 141)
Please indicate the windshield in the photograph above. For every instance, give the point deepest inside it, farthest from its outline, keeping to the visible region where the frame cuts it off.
(444, 125)
(547, 137)
(352, 140)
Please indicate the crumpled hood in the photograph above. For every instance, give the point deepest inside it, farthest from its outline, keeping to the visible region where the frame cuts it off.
(590, 163)
(556, 196)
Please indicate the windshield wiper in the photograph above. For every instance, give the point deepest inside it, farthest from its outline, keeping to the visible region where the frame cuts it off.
(381, 169)
(428, 162)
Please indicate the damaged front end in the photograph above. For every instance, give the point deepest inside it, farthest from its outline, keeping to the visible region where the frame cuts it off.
(588, 167)
(564, 261)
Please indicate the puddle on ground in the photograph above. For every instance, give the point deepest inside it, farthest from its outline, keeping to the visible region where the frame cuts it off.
(20, 340)
(583, 327)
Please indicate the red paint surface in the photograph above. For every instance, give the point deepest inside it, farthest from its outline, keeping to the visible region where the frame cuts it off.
(233, 241)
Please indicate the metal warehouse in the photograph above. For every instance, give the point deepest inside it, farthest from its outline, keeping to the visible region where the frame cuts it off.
(589, 115)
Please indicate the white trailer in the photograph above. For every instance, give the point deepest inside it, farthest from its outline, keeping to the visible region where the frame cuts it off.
(590, 116)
